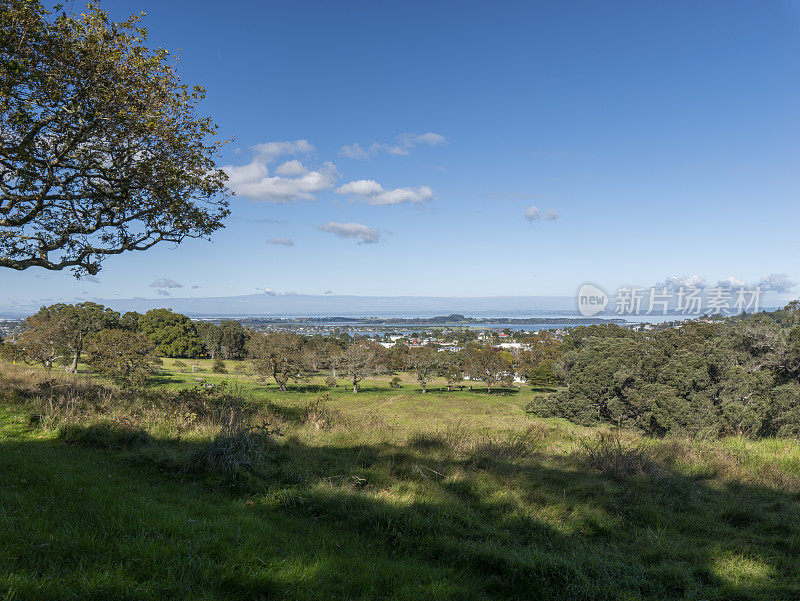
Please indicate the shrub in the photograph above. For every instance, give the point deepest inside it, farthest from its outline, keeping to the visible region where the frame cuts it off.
(562, 404)
(11, 352)
(208, 404)
(240, 367)
(319, 415)
(235, 449)
(514, 446)
(394, 382)
(218, 367)
(331, 382)
(458, 441)
(608, 454)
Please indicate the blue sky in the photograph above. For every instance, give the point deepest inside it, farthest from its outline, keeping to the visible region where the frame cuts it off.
(661, 139)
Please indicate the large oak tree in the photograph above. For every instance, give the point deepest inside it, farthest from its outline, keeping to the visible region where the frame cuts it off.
(102, 150)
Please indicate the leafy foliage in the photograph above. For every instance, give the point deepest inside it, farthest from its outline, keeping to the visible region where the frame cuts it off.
(738, 377)
(493, 366)
(173, 334)
(279, 355)
(127, 357)
(101, 149)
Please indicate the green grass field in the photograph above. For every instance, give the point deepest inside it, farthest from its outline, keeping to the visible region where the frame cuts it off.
(384, 494)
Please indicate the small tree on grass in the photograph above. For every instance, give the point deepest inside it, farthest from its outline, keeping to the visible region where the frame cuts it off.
(59, 331)
(218, 367)
(45, 338)
(279, 355)
(359, 360)
(492, 366)
(426, 363)
(452, 366)
(126, 357)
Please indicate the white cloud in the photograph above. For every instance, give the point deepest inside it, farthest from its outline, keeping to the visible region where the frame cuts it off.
(532, 213)
(163, 292)
(409, 140)
(291, 168)
(354, 151)
(401, 146)
(390, 149)
(91, 278)
(403, 195)
(245, 174)
(375, 194)
(356, 231)
(271, 150)
(776, 282)
(258, 185)
(270, 292)
(165, 283)
(292, 180)
(674, 282)
(281, 241)
(361, 187)
(731, 282)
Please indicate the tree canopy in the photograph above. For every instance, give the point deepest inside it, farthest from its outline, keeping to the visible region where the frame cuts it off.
(101, 147)
(279, 355)
(173, 334)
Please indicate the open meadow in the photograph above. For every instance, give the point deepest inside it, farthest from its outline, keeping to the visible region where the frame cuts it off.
(182, 491)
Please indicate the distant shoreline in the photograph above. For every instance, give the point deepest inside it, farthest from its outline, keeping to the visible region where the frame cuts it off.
(443, 320)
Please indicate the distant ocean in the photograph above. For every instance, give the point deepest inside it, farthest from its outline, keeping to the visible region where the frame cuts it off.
(386, 307)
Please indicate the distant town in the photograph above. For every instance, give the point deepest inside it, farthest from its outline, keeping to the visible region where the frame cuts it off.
(446, 331)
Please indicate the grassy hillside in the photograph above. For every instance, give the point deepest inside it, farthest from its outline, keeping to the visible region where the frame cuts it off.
(387, 494)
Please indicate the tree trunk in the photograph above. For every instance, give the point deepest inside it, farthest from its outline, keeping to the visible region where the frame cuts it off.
(355, 386)
(424, 388)
(73, 369)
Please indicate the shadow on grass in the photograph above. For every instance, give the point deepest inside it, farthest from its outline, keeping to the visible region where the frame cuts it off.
(307, 388)
(162, 379)
(400, 521)
(466, 389)
(291, 413)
